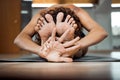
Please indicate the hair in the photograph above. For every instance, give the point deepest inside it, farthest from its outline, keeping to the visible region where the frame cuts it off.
(66, 11)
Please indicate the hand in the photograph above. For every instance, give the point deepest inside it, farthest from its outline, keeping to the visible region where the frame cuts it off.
(52, 49)
(71, 47)
(55, 51)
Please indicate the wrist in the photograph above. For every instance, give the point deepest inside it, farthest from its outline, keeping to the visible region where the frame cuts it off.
(39, 51)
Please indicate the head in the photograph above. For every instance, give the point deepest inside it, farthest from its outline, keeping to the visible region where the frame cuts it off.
(54, 11)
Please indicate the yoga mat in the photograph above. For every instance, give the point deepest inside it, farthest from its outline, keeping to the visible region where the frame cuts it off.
(87, 58)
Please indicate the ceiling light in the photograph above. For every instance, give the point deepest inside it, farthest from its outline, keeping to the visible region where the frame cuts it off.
(115, 55)
(48, 5)
(115, 5)
(84, 5)
(41, 5)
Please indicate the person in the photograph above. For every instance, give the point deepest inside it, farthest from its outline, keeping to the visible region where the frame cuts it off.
(63, 22)
(69, 44)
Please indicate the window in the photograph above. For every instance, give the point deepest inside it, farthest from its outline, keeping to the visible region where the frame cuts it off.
(115, 22)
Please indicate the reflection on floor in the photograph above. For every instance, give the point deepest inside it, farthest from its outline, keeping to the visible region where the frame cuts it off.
(115, 54)
(62, 71)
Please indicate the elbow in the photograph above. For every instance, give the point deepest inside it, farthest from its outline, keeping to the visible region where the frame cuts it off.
(104, 34)
(17, 40)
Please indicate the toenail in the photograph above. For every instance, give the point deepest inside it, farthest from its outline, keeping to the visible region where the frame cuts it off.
(68, 16)
(46, 15)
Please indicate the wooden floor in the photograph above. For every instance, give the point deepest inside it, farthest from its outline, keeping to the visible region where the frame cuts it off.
(60, 71)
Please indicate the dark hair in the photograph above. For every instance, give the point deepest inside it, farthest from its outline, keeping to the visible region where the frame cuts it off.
(66, 11)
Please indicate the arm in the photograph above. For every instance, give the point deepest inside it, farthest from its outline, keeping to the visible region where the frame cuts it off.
(24, 39)
(96, 31)
(91, 26)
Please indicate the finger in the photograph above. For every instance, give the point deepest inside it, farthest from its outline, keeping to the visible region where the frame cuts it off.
(53, 34)
(72, 42)
(73, 48)
(65, 59)
(56, 38)
(49, 39)
(61, 39)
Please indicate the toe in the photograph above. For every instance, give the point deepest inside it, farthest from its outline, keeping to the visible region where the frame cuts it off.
(43, 20)
(60, 17)
(40, 23)
(70, 21)
(37, 27)
(75, 26)
(67, 18)
(73, 22)
(49, 18)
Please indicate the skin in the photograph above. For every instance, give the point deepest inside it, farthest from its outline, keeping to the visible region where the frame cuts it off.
(91, 26)
(53, 52)
(24, 40)
(60, 46)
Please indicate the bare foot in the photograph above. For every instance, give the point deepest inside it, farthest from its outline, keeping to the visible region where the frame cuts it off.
(45, 29)
(69, 23)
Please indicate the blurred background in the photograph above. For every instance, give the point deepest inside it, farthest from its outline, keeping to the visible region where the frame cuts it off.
(15, 15)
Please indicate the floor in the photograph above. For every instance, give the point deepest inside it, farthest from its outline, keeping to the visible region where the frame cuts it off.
(62, 71)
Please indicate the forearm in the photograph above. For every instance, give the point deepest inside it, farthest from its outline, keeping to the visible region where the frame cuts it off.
(25, 42)
(96, 32)
(92, 38)
(80, 48)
